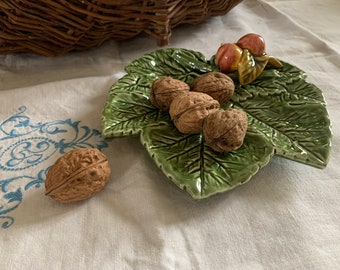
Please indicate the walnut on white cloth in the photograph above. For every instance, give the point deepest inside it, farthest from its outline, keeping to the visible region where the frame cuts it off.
(77, 175)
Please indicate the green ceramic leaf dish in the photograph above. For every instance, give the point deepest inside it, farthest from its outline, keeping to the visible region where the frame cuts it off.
(287, 116)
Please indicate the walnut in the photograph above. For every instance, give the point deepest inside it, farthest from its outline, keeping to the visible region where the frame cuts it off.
(225, 130)
(216, 84)
(189, 110)
(77, 175)
(164, 90)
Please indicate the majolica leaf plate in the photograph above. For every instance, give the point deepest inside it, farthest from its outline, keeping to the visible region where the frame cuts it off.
(287, 117)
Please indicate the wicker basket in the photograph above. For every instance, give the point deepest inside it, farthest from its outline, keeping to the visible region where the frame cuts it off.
(55, 27)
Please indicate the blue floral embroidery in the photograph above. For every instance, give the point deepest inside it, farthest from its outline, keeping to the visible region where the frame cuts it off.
(24, 145)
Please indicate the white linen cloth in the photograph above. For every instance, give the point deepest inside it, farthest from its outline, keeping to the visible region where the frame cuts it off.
(286, 217)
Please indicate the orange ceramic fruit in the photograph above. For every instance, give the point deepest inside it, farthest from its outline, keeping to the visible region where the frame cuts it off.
(228, 57)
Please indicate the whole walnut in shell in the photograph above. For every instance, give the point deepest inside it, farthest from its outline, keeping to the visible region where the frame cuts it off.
(164, 89)
(77, 175)
(224, 131)
(189, 110)
(216, 84)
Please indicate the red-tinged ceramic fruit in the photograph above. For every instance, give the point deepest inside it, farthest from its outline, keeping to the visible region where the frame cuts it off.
(228, 57)
(254, 43)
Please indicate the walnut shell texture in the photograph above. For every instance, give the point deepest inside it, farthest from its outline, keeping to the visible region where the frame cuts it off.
(224, 131)
(164, 89)
(189, 110)
(216, 84)
(77, 175)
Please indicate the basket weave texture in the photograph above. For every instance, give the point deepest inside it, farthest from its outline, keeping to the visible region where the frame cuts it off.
(55, 27)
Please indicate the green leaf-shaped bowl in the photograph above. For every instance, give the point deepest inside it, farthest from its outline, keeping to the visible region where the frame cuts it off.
(287, 117)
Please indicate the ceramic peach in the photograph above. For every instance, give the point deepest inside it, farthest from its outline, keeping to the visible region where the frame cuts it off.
(254, 43)
(228, 57)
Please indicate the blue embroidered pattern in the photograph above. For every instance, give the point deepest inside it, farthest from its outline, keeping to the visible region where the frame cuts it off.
(24, 145)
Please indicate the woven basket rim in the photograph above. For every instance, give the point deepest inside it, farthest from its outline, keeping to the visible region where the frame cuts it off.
(56, 27)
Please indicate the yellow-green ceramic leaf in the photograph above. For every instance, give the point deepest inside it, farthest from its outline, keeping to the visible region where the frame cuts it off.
(251, 67)
(274, 62)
